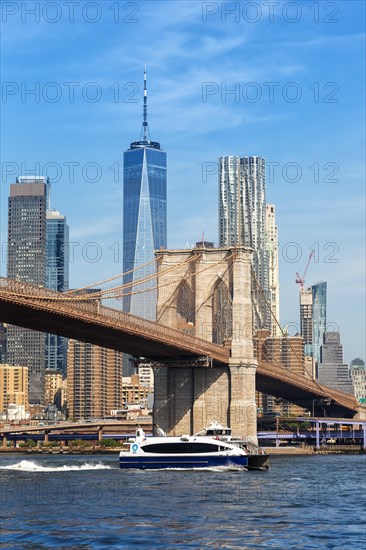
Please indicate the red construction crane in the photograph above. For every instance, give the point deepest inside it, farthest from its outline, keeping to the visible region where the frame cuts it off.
(301, 280)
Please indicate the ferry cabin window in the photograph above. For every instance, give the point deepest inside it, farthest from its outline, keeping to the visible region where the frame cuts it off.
(174, 448)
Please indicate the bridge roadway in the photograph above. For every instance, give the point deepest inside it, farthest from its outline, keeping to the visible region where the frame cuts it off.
(45, 310)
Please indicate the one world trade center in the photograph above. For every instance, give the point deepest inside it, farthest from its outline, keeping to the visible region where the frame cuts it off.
(144, 219)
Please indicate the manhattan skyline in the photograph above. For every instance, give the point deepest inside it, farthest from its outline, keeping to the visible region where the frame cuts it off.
(194, 60)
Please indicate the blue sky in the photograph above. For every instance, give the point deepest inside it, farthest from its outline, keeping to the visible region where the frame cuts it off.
(297, 70)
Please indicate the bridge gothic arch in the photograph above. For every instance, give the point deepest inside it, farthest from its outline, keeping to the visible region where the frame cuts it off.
(185, 304)
(222, 312)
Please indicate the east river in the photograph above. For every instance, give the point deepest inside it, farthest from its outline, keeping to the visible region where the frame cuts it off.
(58, 501)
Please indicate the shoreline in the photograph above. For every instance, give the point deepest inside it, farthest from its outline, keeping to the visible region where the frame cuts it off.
(293, 451)
(271, 451)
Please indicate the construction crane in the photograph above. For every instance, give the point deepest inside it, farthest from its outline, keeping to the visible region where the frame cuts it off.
(301, 280)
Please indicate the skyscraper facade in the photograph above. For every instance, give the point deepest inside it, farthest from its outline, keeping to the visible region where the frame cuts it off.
(57, 278)
(27, 262)
(144, 217)
(319, 299)
(242, 220)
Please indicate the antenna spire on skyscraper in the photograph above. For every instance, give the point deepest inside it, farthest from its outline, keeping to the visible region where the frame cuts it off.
(145, 139)
(145, 126)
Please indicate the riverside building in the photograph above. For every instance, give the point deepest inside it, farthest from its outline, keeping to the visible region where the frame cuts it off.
(94, 380)
(14, 387)
(358, 375)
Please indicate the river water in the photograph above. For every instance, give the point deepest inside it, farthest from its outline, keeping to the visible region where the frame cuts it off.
(75, 502)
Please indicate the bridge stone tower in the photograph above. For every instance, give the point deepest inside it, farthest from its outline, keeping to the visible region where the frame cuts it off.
(206, 292)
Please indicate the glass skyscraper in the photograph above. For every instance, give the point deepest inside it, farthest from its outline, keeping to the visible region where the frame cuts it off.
(57, 278)
(319, 295)
(144, 217)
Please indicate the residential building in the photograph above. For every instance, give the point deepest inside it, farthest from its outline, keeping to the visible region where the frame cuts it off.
(13, 387)
(358, 376)
(242, 221)
(27, 262)
(146, 374)
(54, 394)
(332, 372)
(274, 285)
(144, 218)
(94, 380)
(133, 392)
(57, 278)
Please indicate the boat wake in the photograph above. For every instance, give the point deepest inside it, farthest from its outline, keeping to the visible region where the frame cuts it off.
(31, 466)
(203, 469)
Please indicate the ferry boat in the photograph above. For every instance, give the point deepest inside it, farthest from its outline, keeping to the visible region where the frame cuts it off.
(214, 448)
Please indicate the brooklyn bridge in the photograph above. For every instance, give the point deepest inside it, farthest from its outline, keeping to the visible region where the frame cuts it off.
(202, 346)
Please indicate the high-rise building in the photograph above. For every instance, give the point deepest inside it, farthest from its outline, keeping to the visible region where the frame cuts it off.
(144, 217)
(306, 319)
(332, 372)
(27, 262)
(319, 298)
(331, 351)
(94, 380)
(3, 354)
(358, 375)
(242, 220)
(274, 285)
(313, 318)
(57, 278)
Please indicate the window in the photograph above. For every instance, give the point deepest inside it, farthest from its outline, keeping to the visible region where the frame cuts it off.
(175, 448)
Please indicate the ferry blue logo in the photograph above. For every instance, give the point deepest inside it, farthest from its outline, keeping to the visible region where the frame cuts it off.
(134, 447)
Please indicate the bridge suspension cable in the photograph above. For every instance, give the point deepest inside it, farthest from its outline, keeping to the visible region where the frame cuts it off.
(113, 278)
(112, 293)
(174, 281)
(94, 296)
